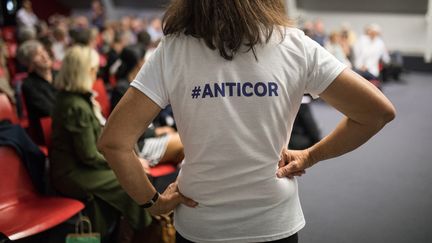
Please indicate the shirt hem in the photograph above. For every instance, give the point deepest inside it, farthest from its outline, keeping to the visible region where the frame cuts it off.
(329, 80)
(248, 239)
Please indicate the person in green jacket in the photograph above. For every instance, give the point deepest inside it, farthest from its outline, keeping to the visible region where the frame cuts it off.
(77, 168)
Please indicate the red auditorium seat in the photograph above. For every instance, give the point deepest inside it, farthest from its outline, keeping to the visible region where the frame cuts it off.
(45, 123)
(162, 170)
(6, 110)
(23, 211)
(102, 97)
(8, 33)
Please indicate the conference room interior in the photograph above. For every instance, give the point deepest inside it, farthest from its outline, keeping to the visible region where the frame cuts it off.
(378, 193)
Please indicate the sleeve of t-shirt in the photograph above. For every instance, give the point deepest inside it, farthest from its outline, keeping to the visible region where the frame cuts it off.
(150, 79)
(322, 67)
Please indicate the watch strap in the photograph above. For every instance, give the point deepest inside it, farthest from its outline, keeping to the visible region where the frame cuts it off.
(151, 202)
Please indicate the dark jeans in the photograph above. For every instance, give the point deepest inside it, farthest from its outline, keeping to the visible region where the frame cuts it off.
(292, 239)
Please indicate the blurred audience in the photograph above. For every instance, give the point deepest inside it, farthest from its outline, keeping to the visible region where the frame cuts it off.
(85, 36)
(318, 33)
(143, 41)
(155, 29)
(60, 43)
(25, 33)
(334, 46)
(98, 15)
(120, 41)
(308, 28)
(347, 40)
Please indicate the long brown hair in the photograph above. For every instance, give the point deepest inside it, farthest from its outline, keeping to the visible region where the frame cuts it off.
(226, 25)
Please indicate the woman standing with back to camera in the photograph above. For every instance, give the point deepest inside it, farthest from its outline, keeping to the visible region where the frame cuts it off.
(234, 72)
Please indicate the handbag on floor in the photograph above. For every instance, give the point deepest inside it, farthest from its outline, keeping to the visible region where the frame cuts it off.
(167, 229)
(80, 235)
(161, 230)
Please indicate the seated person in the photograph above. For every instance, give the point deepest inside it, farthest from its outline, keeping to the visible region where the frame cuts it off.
(77, 169)
(369, 50)
(158, 144)
(119, 42)
(39, 94)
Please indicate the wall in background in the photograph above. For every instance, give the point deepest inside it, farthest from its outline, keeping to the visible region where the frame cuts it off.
(366, 6)
(403, 32)
(45, 8)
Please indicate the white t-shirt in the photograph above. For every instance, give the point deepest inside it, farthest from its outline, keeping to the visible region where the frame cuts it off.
(234, 118)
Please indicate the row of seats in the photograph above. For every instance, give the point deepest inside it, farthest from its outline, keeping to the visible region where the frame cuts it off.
(20, 201)
(23, 210)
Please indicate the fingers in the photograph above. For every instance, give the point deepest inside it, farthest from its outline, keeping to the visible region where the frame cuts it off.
(187, 201)
(290, 170)
(177, 197)
(300, 173)
(286, 170)
(284, 158)
(281, 163)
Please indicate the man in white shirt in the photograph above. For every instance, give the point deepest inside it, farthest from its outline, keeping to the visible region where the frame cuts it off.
(369, 51)
(26, 17)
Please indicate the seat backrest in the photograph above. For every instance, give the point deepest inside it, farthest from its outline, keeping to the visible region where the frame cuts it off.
(102, 97)
(46, 123)
(6, 109)
(15, 183)
(9, 33)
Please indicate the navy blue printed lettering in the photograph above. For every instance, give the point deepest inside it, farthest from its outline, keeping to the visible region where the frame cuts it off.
(219, 89)
(207, 91)
(273, 89)
(237, 89)
(231, 88)
(264, 89)
(244, 91)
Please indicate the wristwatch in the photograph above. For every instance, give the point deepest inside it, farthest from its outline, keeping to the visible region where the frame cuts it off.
(151, 202)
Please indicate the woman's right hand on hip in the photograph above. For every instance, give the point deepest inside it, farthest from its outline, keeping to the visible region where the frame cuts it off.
(169, 200)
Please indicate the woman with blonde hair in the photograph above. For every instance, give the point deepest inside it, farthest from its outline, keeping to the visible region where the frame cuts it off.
(234, 72)
(77, 168)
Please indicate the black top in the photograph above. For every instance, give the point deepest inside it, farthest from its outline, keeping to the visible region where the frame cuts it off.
(118, 91)
(39, 97)
(305, 132)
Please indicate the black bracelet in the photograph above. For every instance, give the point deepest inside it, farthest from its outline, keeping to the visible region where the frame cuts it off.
(151, 202)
